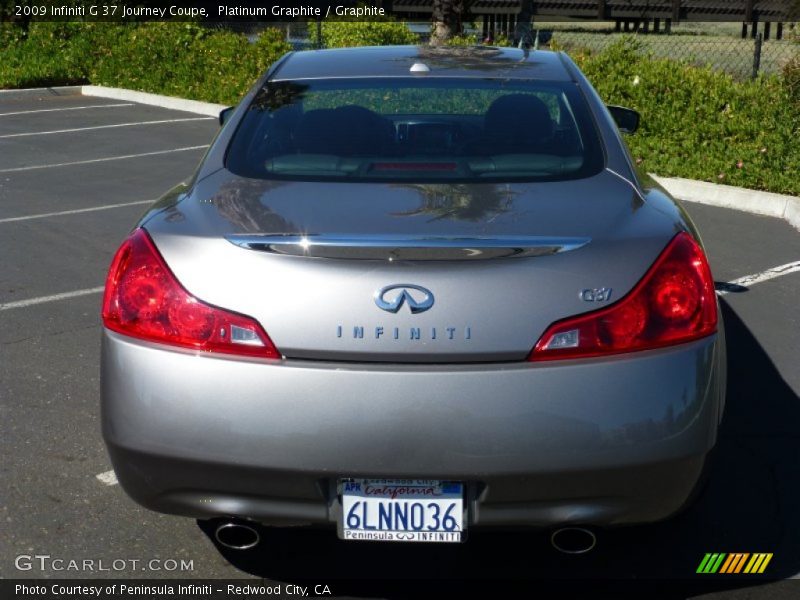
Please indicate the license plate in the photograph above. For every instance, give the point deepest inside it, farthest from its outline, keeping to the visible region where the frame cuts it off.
(402, 510)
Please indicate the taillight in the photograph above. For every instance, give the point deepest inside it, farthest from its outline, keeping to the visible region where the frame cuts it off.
(673, 303)
(143, 299)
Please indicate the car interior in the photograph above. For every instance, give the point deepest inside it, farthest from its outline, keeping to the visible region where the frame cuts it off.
(517, 135)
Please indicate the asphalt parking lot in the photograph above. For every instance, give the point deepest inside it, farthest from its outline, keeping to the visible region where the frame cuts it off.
(76, 172)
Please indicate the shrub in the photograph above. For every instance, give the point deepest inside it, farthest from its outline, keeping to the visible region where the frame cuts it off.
(195, 62)
(50, 54)
(171, 58)
(699, 123)
(791, 79)
(11, 34)
(343, 34)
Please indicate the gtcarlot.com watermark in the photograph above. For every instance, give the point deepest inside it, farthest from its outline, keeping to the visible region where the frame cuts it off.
(46, 562)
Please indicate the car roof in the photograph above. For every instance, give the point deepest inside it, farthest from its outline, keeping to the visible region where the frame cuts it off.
(447, 61)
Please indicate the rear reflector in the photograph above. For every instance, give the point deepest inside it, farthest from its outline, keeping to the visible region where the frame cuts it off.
(673, 303)
(143, 299)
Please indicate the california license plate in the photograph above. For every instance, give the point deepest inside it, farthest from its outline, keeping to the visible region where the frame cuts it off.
(402, 510)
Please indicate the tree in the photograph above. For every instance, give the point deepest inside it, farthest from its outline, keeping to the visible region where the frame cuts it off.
(446, 20)
(523, 35)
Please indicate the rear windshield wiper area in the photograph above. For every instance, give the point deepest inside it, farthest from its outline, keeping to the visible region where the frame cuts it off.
(512, 165)
(534, 165)
(329, 165)
(322, 165)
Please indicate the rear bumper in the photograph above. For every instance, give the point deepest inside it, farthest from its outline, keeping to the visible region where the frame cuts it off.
(603, 442)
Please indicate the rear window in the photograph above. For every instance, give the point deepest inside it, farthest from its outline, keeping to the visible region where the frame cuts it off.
(467, 130)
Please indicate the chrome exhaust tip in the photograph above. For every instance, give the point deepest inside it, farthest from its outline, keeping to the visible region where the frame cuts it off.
(573, 540)
(237, 536)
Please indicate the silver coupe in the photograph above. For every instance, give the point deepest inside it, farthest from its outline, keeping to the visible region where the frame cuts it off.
(409, 292)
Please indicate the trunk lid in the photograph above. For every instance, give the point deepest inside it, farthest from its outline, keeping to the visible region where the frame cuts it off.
(409, 272)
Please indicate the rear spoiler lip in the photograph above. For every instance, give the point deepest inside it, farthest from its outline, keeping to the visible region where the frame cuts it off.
(407, 247)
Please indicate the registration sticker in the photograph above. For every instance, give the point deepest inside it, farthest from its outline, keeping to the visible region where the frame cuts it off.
(402, 510)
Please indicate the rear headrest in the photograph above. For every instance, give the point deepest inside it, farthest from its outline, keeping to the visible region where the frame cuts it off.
(519, 119)
(316, 132)
(344, 131)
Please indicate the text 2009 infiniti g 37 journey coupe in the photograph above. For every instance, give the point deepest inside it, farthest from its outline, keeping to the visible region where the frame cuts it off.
(411, 291)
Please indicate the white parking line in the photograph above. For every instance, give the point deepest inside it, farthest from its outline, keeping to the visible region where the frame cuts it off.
(107, 477)
(42, 110)
(97, 160)
(73, 212)
(136, 124)
(53, 298)
(750, 280)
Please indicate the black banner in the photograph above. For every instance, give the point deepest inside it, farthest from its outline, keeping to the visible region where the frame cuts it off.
(125, 11)
(371, 10)
(251, 589)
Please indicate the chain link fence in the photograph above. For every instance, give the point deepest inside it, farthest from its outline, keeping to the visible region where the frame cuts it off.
(741, 58)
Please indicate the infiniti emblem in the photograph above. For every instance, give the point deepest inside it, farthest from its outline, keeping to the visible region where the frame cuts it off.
(392, 297)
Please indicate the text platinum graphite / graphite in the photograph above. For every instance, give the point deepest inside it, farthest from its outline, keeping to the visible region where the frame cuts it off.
(300, 11)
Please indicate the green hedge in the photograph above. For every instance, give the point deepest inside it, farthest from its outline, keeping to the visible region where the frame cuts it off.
(198, 63)
(345, 34)
(175, 59)
(702, 124)
(50, 54)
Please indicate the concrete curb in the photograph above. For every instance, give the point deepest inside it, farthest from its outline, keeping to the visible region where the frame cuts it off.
(45, 92)
(726, 196)
(192, 106)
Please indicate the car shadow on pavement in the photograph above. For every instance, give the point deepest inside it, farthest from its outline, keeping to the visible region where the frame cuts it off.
(750, 504)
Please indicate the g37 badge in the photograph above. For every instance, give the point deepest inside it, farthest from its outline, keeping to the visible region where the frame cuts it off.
(595, 295)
